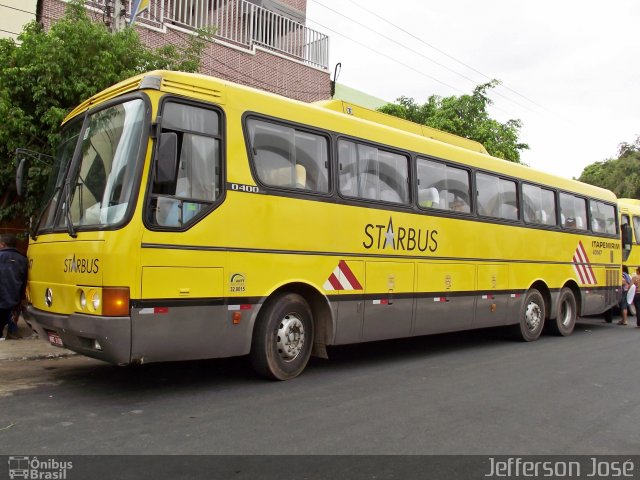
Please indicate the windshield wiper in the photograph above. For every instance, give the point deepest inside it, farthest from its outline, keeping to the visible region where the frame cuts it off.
(67, 210)
(45, 208)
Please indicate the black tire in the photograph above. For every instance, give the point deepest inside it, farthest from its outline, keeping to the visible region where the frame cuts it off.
(608, 316)
(566, 314)
(282, 337)
(531, 317)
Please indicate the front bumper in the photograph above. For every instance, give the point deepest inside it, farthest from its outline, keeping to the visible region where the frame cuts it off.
(104, 338)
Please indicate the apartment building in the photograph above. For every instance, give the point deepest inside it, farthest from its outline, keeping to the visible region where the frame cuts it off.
(260, 43)
(14, 15)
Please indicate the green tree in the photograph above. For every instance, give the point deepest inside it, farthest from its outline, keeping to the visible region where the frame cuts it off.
(465, 116)
(47, 73)
(620, 175)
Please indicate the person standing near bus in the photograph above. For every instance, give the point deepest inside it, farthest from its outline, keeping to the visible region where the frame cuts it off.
(636, 299)
(624, 303)
(13, 278)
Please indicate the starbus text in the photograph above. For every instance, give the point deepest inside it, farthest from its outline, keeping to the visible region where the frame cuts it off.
(406, 239)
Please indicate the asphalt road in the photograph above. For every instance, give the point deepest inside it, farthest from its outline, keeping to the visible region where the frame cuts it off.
(465, 393)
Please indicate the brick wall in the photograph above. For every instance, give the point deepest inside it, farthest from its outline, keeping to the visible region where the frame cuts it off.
(51, 11)
(259, 69)
(297, 4)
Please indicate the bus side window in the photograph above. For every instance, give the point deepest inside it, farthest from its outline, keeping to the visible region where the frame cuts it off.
(636, 229)
(508, 200)
(287, 157)
(194, 182)
(488, 192)
(548, 207)
(442, 186)
(567, 211)
(602, 217)
(581, 213)
(538, 205)
(497, 197)
(370, 173)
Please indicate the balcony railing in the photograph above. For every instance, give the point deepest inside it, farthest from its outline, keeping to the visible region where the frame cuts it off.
(238, 22)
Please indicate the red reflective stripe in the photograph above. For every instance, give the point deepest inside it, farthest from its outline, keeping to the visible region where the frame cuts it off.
(335, 283)
(161, 310)
(578, 268)
(245, 307)
(346, 271)
(586, 268)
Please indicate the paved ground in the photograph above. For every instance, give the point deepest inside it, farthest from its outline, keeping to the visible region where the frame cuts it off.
(471, 392)
(29, 347)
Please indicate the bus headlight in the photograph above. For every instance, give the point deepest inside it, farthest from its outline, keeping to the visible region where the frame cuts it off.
(95, 300)
(82, 300)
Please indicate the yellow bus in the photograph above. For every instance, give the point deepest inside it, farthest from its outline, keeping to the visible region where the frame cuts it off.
(629, 211)
(190, 218)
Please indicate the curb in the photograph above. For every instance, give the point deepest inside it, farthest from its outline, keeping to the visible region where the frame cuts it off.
(30, 347)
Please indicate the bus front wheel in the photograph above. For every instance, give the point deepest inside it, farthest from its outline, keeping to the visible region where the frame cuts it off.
(282, 338)
(532, 315)
(566, 314)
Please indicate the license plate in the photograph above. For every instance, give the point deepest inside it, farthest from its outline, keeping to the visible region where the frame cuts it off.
(55, 339)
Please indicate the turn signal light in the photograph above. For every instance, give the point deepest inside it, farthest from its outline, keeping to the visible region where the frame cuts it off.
(115, 301)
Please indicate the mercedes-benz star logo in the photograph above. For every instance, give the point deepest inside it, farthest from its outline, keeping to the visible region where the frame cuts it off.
(48, 297)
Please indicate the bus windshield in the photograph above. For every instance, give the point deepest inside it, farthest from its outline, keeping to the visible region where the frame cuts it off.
(68, 141)
(99, 185)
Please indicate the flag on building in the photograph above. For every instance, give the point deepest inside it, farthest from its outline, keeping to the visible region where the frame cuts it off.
(137, 7)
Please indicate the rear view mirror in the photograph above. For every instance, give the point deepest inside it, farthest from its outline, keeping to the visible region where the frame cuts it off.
(21, 177)
(24, 155)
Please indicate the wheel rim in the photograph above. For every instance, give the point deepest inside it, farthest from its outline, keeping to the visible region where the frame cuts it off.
(533, 316)
(290, 337)
(566, 313)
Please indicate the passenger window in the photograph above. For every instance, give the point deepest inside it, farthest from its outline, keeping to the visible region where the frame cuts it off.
(573, 212)
(196, 182)
(443, 186)
(538, 205)
(603, 217)
(287, 157)
(374, 174)
(636, 228)
(497, 197)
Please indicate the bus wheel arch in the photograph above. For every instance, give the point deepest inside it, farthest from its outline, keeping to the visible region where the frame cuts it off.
(577, 295)
(300, 313)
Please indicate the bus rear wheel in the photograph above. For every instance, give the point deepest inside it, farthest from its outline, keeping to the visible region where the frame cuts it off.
(282, 338)
(566, 314)
(532, 315)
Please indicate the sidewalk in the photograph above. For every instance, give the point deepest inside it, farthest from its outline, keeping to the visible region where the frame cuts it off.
(29, 346)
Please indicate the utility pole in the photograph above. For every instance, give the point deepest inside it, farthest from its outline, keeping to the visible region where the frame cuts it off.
(106, 15)
(119, 15)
